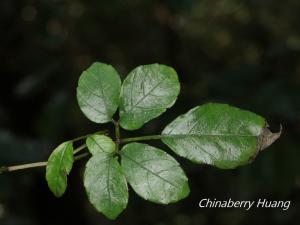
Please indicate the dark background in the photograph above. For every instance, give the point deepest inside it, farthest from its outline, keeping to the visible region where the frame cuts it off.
(242, 52)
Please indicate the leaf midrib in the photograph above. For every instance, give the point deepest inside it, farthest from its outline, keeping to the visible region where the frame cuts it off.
(84, 85)
(150, 171)
(102, 91)
(146, 95)
(206, 135)
(60, 167)
(82, 98)
(108, 181)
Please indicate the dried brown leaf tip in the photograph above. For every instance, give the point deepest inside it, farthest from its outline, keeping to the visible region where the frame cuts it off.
(267, 138)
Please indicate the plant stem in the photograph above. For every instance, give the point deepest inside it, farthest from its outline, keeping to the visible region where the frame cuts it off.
(81, 147)
(142, 138)
(117, 133)
(41, 164)
(3, 169)
(79, 138)
(81, 156)
(23, 166)
(85, 136)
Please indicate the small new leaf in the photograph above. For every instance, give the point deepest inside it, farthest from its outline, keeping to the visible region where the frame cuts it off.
(218, 134)
(98, 92)
(58, 167)
(153, 174)
(106, 185)
(100, 143)
(146, 93)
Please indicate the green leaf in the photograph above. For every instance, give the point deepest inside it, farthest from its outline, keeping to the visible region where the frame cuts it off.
(58, 167)
(106, 185)
(146, 93)
(98, 92)
(219, 135)
(153, 174)
(100, 143)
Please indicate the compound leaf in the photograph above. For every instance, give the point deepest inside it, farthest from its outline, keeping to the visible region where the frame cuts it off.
(146, 93)
(58, 167)
(98, 92)
(153, 174)
(100, 143)
(106, 185)
(219, 135)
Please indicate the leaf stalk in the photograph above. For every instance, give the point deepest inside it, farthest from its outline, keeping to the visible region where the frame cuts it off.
(118, 134)
(4, 169)
(81, 147)
(85, 136)
(142, 138)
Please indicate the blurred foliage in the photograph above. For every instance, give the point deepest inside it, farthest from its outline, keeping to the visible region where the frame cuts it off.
(246, 53)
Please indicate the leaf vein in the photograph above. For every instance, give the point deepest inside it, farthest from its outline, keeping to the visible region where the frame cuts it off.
(150, 171)
(144, 96)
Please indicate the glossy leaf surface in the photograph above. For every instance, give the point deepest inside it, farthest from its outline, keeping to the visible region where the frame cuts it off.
(153, 174)
(100, 143)
(146, 93)
(216, 134)
(58, 167)
(98, 92)
(106, 185)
